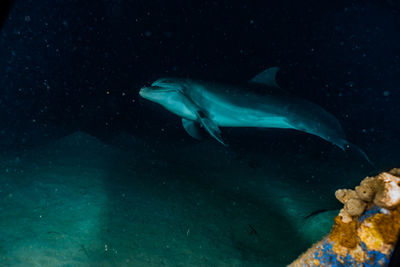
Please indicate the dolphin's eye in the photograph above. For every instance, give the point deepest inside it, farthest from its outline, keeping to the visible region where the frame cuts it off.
(201, 114)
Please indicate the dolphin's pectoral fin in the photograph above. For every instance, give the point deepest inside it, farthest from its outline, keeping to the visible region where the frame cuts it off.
(211, 127)
(206, 122)
(192, 128)
(267, 77)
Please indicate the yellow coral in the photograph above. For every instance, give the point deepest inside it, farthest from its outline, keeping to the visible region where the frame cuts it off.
(370, 236)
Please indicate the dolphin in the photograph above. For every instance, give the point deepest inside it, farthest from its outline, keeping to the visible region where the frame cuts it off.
(211, 105)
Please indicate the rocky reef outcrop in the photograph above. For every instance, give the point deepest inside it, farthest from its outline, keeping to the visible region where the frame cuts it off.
(366, 229)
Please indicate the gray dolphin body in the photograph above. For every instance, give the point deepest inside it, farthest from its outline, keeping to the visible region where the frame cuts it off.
(212, 105)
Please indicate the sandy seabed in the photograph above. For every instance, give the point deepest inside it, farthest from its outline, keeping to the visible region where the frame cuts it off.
(80, 201)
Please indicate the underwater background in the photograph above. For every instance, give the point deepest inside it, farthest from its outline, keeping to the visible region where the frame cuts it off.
(93, 175)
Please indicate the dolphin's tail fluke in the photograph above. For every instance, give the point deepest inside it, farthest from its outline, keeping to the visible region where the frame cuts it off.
(354, 147)
(346, 146)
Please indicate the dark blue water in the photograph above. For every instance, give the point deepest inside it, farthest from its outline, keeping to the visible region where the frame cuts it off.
(71, 72)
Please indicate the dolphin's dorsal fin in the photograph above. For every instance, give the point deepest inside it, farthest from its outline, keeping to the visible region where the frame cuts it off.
(267, 77)
(192, 128)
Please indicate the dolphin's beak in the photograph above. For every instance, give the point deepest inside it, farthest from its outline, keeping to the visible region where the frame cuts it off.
(143, 91)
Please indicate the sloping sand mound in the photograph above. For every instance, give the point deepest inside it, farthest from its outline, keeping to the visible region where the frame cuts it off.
(82, 202)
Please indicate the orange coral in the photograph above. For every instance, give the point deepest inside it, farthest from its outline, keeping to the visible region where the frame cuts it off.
(344, 234)
(388, 225)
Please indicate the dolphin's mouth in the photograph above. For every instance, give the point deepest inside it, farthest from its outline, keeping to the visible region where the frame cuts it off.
(162, 89)
(154, 89)
(160, 86)
(165, 85)
(159, 83)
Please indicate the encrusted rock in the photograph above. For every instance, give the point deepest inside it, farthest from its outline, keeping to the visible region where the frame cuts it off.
(343, 195)
(388, 192)
(367, 228)
(367, 189)
(355, 207)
